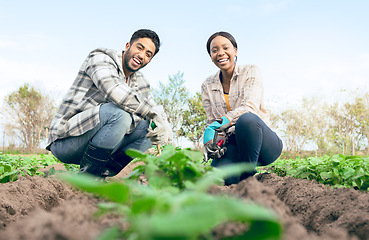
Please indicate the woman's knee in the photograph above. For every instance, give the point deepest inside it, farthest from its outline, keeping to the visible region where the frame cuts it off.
(247, 120)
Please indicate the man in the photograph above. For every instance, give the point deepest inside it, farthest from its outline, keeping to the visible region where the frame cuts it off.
(108, 108)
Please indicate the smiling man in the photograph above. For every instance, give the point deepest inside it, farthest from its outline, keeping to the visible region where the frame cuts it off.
(108, 110)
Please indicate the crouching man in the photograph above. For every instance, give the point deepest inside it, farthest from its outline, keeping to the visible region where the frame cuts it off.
(108, 109)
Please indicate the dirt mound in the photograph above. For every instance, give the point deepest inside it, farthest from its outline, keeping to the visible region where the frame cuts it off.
(45, 208)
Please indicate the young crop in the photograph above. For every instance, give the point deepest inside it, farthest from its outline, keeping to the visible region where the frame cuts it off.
(175, 203)
(337, 171)
(174, 167)
(13, 166)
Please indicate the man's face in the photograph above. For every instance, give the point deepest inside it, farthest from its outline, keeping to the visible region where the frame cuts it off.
(138, 55)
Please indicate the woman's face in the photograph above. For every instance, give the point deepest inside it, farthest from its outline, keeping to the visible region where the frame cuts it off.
(223, 53)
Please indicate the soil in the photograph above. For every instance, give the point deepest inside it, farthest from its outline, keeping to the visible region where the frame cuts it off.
(45, 208)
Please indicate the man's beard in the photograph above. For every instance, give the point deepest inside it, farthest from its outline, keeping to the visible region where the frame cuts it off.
(127, 57)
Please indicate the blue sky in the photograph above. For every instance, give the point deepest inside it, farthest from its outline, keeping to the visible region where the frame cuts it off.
(302, 47)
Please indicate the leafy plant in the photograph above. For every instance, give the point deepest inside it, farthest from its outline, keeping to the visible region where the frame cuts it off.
(337, 170)
(12, 166)
(172, 214)
(174, 167)
(175, 203)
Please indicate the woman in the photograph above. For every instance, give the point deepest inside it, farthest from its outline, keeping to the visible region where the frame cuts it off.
(233, 102)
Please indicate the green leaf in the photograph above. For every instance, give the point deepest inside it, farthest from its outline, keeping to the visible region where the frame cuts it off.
(235, 169)
(117, 192)
(199, 217)
(52, 171)
(365, 184)
(135, 153)
(348, 173)
(326, 175)
(110, 233)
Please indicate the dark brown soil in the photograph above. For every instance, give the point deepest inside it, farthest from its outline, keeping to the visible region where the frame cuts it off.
(45, 208)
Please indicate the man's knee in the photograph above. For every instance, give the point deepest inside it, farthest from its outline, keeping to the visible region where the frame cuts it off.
(117, 116)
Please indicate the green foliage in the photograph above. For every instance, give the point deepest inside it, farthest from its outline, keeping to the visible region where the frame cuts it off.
(337, 170)
(13, 166)
(194, 120)
(173, 97)
(174, 167)
(175, 203)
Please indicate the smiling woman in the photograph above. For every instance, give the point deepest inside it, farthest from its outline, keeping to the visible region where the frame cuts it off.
(237, 129)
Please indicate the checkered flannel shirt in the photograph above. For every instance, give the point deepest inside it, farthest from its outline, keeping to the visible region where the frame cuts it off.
(100, 80)
(245, 95)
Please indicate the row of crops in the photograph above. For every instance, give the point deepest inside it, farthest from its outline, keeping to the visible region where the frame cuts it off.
(174, 203)
(336, 171)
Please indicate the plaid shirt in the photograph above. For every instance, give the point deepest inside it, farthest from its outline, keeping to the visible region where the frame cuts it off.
(100, 80)
(245, 95)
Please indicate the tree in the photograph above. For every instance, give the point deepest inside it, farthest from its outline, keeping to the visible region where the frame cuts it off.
(194, 120)
(360, 110)
(174, 99)
(317, 121)
(297, 129)
(29, 114)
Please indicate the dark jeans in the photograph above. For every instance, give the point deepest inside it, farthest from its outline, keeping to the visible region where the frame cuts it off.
(253, 142)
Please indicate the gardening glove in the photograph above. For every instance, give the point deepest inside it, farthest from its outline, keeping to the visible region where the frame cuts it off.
(215, 148)
(220, 124)
(162, 132)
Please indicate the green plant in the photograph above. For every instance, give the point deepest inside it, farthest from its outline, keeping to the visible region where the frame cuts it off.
(337, 170)
(11, 166)
(175, 203)
(173, 214)
(174, 167)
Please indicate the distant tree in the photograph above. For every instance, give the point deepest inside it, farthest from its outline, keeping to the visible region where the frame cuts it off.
(174, 99)
(194, 120)
(360, 109)
(316, 121)
(296, 129)
(352, 125)
(29, 115)
(343, 125)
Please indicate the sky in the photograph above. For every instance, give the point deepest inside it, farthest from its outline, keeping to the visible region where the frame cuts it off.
(303, 47)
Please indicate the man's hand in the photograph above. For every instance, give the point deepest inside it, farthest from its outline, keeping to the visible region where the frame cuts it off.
(162, 133)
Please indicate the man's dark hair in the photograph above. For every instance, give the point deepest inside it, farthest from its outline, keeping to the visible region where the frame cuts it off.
(146, 33)
(223, 34)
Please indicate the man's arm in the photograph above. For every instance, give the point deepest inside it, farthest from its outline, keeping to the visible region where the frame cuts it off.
(104, 72)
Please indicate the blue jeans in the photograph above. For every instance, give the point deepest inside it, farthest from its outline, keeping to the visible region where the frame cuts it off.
(110, 133)
(253, 142)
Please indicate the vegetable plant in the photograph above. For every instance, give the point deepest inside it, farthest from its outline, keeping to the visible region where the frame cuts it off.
(12, 166)
(175, 203)
(337, 170)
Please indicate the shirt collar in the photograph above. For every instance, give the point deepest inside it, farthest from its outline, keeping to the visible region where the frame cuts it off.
(218, 84)
(235, 73)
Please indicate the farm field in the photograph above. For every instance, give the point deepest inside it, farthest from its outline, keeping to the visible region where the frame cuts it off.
(35, 207)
